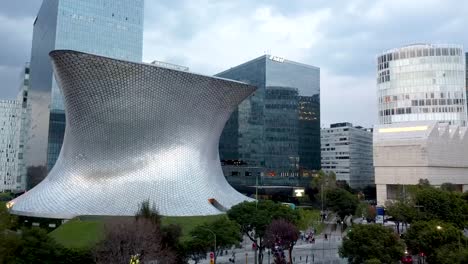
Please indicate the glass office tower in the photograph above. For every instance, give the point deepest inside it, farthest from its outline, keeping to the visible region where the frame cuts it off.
(309, 131)
(422, 82)
(112, 28)
(265, 129)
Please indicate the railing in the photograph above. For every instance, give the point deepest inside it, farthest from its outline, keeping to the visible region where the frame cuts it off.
(269, 181)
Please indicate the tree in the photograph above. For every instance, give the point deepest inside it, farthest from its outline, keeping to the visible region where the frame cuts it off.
(403, 212)
(323, 181)
(127, 237)
(283, 233)
(450, 253)
(254, 217)
(195, 250)
(422, 183)
(372, 261)
(439, 204)
(7, 221)
(370, 242)
(5, 197)
(344, 185)
(366, 211)
(431, 236)
(342, 202)
(449, 187)
(145, 210)
(227, 234)
(35, 246)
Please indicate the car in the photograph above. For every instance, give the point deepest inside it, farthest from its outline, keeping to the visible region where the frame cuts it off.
(407, 259)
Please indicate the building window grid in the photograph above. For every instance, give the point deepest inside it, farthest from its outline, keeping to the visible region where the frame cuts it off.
(450, 74)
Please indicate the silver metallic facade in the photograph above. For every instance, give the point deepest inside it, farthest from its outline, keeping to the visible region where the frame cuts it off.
(422, 82)
(111, 28)
(136, 132)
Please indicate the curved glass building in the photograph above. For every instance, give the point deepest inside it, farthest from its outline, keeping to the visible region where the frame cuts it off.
(422, 82)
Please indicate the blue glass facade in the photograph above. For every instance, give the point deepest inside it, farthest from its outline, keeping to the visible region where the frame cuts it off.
(242, 138)
(309, 131)
(280, 131)
(112, 28)
(269, 128)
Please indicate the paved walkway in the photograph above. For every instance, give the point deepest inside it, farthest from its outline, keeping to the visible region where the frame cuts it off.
(323, 251)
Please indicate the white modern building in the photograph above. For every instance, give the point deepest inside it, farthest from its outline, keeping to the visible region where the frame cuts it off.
(422, 82)
(14, 125)
(407, 152)
(347, 151)
(10, 129)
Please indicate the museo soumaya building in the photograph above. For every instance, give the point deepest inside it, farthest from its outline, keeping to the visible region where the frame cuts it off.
(136, 132)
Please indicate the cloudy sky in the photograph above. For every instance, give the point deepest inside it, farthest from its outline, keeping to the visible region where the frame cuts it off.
(342, 37)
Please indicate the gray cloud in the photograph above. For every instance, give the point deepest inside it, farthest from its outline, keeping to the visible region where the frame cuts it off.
(341, 37)
(20, 8)
(16, 20)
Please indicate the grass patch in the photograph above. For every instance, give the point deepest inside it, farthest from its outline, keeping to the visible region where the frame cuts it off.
(188, 223)
(78, 234)
(85, 234)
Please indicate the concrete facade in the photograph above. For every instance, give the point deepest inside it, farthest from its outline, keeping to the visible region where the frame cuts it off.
(407, 152)
(347, 151)
(14, 126)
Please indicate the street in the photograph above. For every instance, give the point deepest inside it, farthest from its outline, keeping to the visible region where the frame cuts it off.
(323, 251)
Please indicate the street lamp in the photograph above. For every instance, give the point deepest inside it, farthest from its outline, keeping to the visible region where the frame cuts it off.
(214, 235)
(459, 238)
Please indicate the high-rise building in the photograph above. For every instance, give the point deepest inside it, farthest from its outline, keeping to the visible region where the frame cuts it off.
(281, 139)
(14, 125)
(466, 80)
(422, 82)
(347, 151)
(309, 131)
(112, 28)
(264, 131)
(10, 122)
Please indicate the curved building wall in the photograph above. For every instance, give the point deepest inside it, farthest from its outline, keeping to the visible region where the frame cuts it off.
(422, 82)
(136, 132)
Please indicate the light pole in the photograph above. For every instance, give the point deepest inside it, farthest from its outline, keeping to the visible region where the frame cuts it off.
(459, 236)
(214, 235)
(256, 190)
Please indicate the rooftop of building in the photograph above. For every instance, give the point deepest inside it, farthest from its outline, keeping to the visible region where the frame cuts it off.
(273, 58)
(420, 46)
(419, 130)
(347, 124)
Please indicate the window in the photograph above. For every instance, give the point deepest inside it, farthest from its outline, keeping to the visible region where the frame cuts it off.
(419, 53)
(445, 52)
